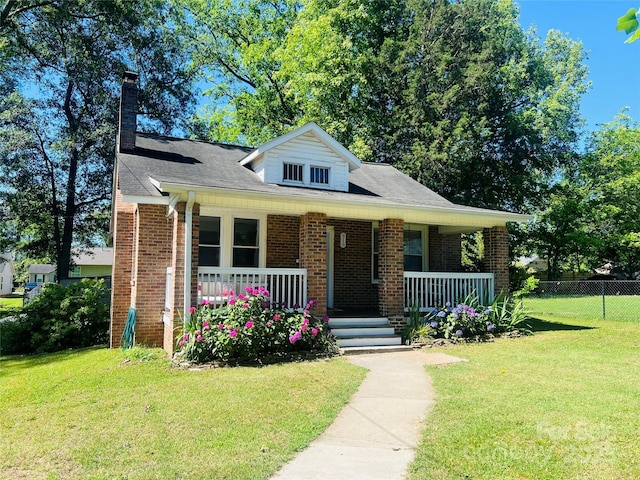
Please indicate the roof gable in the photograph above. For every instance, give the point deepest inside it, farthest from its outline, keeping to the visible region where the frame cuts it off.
(322, 136)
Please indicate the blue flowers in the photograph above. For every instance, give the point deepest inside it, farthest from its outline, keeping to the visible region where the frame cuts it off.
(491, 327)
(459, 333)
(462, 320)
(434, 324)
(442, 314)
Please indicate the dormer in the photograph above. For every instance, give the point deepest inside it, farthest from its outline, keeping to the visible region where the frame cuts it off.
(306, 157)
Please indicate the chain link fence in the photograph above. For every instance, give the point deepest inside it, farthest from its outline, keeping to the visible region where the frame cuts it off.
(591, 299)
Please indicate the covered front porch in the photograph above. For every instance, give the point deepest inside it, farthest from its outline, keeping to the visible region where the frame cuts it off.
(426, 290)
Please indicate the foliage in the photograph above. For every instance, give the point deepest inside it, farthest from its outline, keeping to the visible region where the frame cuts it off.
(249, 326)
(470, 319)
(484, 117)
(530, 285)
(60, 318)
(629, 24)
(57, 125)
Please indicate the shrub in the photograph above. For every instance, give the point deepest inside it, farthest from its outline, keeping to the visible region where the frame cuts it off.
(59, 318)
(470, 318)
(250, 326)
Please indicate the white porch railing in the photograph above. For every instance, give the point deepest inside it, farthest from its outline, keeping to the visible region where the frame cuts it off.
(289, 285)
(433, 289)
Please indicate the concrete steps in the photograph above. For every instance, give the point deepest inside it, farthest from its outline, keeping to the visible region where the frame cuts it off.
(364, 332)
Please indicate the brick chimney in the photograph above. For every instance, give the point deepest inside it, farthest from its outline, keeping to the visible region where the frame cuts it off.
(128, 112)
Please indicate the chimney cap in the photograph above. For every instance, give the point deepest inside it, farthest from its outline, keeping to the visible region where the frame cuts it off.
(129, 76)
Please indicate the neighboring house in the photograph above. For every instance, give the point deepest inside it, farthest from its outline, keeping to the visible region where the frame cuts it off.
(40, 273)
(91, 262)
(300, 215)
(534, 263)
(7, 272)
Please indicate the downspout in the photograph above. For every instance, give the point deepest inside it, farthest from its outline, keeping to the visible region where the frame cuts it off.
(188, 230)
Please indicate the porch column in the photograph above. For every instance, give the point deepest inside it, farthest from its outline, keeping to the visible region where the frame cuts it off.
(391, 267)
(313, 257)
(177, 300)
(496, 256)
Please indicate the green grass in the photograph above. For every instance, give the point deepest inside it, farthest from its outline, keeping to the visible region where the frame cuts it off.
(8, 305)
(87, 415)
(563, 403)
(617, 307)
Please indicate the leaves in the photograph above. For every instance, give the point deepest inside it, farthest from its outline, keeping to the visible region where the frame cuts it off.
(628, 22)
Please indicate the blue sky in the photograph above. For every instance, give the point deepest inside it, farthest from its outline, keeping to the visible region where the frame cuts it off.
(614, 66)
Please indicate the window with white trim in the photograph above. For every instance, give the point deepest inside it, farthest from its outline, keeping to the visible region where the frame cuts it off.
(209, 245)
(319, 175)
(292, 172)
(246, 242)
(414, 245)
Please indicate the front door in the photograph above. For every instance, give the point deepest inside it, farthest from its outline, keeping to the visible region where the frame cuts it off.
(330, 238)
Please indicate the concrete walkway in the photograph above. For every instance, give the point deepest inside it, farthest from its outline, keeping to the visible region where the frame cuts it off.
(376, 434)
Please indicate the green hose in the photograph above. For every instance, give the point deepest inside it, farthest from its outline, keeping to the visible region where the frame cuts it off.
(129, 333)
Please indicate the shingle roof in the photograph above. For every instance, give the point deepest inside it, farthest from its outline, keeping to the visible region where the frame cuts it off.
(93, 256)
(203, 164)
(41, 268)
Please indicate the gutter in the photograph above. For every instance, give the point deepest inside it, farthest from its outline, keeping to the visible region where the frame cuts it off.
(188, 230)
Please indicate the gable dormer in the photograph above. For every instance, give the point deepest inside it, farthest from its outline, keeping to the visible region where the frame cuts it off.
(306, 157)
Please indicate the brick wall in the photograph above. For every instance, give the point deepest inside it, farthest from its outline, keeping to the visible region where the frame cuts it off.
(313, 257)
(445, 251)
(496, 256)
(283, 241)
(391, 267)
(352, 284)
(123, 235)
(154, 252)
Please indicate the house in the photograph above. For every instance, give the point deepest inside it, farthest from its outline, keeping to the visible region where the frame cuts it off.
(300, 215)
(7, 272)
(89, 262)
(40, 273)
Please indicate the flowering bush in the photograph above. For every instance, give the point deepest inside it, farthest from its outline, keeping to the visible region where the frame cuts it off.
(470, 319)
(250, 326)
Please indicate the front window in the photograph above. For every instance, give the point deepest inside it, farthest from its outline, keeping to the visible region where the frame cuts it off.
(414, 248)
(245, 242)
(209, 246)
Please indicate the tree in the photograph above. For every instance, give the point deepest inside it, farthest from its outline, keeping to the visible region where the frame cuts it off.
(453, 93)
(611, 176)
(57, 147)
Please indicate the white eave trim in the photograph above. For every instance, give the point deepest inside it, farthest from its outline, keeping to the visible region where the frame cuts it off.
(488, 216)
(353, 161)
(146, 199)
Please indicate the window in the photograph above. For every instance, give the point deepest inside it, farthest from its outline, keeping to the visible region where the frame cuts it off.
(413, 250)
(209, 246)
(320, 175)
(414, 247)
(74, 272)
(246, 247)
(292, 172)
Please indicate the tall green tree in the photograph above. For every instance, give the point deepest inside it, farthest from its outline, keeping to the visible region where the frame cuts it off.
(58, 127)
(454, 93)
(611, 177)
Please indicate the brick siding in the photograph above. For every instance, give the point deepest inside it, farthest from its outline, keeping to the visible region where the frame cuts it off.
(445, 251)
(283, 241)
(352, 286)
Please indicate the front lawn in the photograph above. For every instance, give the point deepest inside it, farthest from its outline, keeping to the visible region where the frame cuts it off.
(9, 305)
(563, 403)
(87, 415)
(624, 308)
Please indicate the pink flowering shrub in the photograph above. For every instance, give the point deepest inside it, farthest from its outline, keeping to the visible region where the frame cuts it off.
(250, 326)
